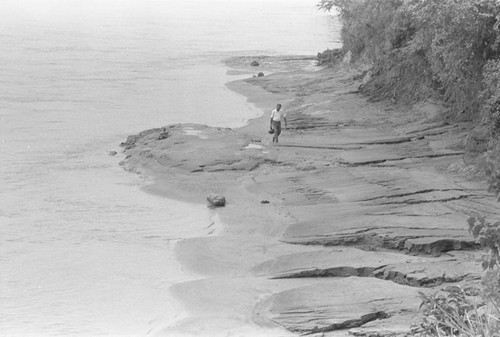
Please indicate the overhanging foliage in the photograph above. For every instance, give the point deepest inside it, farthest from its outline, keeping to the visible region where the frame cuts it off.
(425, 48)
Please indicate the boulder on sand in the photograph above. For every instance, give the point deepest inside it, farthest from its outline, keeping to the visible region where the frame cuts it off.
(163, 134)
(216, 200)
(254, 64)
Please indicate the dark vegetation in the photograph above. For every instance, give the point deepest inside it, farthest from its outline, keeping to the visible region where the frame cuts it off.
(419, 49)
(458, 313)
(446, 50)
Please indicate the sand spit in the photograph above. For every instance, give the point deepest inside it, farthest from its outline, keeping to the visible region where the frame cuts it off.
(334, 231)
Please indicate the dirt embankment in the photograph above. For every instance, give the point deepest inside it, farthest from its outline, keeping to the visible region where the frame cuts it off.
(335, 230)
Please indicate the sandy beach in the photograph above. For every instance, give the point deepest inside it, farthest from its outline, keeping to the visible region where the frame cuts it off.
(334, 231)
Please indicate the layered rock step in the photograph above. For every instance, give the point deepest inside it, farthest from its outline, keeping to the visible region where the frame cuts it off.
(343, 304)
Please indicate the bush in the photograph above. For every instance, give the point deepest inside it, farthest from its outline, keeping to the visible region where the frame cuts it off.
(432, 46)
(370, 29)
(455, 314)
(490, 94)
(488, 235)
(330, 56)
(458, 37)
(492, 171)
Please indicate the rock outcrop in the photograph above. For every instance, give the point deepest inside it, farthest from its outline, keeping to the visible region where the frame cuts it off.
(365, 208)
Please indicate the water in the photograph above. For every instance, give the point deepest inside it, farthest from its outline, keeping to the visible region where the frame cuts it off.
(83, 250)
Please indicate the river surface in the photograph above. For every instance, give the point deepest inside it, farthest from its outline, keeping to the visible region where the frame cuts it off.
(84, 251)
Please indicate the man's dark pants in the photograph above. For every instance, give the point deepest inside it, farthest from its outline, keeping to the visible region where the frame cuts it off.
(277, 130)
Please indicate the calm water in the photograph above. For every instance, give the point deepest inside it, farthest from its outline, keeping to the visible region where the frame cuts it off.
(83, 250)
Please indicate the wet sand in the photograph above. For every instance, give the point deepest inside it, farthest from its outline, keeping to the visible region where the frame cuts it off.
(332, 231)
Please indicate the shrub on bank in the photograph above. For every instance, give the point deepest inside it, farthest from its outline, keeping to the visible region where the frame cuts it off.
(456, 314)
(418, 48)
(329, 56)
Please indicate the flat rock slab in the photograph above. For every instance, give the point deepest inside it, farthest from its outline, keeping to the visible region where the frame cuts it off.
(332, 262)
(193, 148)
(342, 304)
(431, 272)
(416, 271)
(412, 210)
(346, 224)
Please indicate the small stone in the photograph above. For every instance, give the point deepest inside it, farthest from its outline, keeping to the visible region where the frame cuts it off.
(264, 202)
(217, 200)
(163, 135)
(254, 64)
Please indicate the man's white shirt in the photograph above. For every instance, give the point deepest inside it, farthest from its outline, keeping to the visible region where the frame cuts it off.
(278, 115)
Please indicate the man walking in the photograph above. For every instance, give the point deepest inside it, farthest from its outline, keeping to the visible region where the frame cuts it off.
(276, 116)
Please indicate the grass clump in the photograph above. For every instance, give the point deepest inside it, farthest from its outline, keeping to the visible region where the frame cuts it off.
(456, 314)
(459, 312)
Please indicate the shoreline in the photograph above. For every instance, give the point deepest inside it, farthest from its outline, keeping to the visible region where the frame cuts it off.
(359, 195)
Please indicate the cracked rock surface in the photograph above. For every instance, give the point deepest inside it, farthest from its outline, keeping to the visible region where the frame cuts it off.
(366, 204)
(340, 305)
